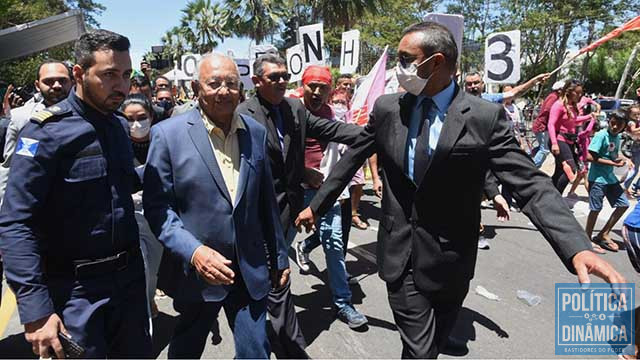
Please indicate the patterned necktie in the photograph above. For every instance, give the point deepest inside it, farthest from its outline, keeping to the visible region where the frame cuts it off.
(421, 155)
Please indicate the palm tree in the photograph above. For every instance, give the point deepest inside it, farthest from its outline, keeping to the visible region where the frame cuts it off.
(344, 13)
(175, 44)
(256, 18)
(204, 23)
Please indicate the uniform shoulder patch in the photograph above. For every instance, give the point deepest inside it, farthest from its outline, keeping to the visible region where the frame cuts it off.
(53, 112)
(27, 147)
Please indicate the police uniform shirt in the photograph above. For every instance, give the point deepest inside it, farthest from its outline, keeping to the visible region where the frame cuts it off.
(68, 198)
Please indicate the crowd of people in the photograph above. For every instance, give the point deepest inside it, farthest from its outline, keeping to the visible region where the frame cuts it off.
(114, 191)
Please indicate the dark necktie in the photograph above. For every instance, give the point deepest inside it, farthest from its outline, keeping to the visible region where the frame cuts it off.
(277, 117)
(421, 155)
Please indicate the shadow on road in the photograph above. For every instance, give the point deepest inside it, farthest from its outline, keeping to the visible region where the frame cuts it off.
(163, 326)
(370, 209)
(15, 347)
(464, 330)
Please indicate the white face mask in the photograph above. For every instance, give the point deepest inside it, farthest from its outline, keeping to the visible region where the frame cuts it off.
(408, 77)
(140, 129)
(339, 111)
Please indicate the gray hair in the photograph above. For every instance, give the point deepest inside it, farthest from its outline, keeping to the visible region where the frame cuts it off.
(258, 69)
(474, 73)
(436, 39)
(208, 56)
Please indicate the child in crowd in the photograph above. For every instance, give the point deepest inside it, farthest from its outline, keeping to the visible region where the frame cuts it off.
(604, 154)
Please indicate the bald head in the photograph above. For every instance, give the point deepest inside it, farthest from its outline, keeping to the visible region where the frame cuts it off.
(212, 62)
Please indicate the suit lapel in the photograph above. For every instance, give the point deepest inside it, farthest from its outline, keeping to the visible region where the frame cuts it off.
(244, 144)
(200, 138)
(453, 125)
(406, 104)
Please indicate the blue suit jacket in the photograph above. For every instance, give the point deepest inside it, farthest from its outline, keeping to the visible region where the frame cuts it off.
(187, 204)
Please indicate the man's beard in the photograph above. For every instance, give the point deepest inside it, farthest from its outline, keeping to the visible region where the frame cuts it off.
(53, 98)
(101, 105)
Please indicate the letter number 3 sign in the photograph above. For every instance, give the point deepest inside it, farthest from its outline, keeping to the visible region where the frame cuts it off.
(502, 57)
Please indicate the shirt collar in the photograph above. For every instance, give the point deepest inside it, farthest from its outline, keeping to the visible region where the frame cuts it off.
(236, 123)
(443, 99)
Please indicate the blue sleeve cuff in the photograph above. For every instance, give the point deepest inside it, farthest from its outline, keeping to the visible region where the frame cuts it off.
(34, 306)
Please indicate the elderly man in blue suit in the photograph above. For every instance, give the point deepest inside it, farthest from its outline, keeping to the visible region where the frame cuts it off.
(209, 198)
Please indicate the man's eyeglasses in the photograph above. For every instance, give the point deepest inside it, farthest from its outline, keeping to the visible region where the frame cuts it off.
(275, 77)
(231, 84)
(405, 61)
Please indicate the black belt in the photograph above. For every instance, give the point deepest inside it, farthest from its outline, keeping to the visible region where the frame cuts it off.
(569, 136)
(88, 268)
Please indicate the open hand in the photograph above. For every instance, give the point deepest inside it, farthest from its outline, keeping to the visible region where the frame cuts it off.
(212, 266)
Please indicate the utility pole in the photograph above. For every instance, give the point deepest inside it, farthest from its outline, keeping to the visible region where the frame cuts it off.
(632, 57)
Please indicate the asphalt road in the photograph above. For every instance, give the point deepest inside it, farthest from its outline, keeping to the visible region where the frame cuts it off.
(519, 258)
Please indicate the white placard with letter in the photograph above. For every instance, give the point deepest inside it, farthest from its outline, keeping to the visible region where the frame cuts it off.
(502, 58)
(295, 62)
(453, 22)
(312, 43)
(350, 53)
(255, 51)
(189, 64)
(245, 73)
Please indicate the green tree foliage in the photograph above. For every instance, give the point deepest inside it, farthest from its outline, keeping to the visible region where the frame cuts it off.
(203, 24)
(549, 29)
(607, 65)
(256, 19)
(15, 12)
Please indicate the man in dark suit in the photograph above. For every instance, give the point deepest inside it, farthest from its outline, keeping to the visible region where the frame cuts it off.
(288, 123)
(436, 144)
(209, 198)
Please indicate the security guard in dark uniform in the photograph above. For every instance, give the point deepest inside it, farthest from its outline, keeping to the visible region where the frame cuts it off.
(68, 234)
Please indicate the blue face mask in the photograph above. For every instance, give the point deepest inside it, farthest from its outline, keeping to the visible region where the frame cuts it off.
(165, 104)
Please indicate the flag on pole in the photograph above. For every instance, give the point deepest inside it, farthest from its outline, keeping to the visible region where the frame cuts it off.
(368, 92)
(633, 24)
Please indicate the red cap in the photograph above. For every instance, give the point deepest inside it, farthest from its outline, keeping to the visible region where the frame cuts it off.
(316, 73)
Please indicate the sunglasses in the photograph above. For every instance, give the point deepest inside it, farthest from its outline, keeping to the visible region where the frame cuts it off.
(275, 77)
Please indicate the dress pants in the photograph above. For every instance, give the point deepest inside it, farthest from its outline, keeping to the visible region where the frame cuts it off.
(282, 315)
(246, 318)
(424, 319)
(107, 314)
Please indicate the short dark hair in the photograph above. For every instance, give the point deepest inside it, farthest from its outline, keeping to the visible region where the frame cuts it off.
(140, 81)
(138, 99)
(52, 61)
(161, 77)
(96, 41)
(436, 39)
(167, 90)
(619, 115)
(267, 58)
(345, 76)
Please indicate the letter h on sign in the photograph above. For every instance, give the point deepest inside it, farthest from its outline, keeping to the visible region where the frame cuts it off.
(350, 50)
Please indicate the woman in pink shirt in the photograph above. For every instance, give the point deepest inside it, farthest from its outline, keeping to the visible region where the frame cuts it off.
(563, 119)
(584, 138)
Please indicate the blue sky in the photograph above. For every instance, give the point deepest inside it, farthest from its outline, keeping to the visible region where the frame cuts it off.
(145, 21)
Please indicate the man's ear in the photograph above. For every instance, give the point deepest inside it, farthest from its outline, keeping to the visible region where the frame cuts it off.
(195, 87)
(256, 81)
(78, 73)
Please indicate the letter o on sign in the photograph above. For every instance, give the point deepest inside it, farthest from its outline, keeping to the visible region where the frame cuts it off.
(295, 64)
(189, 65)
